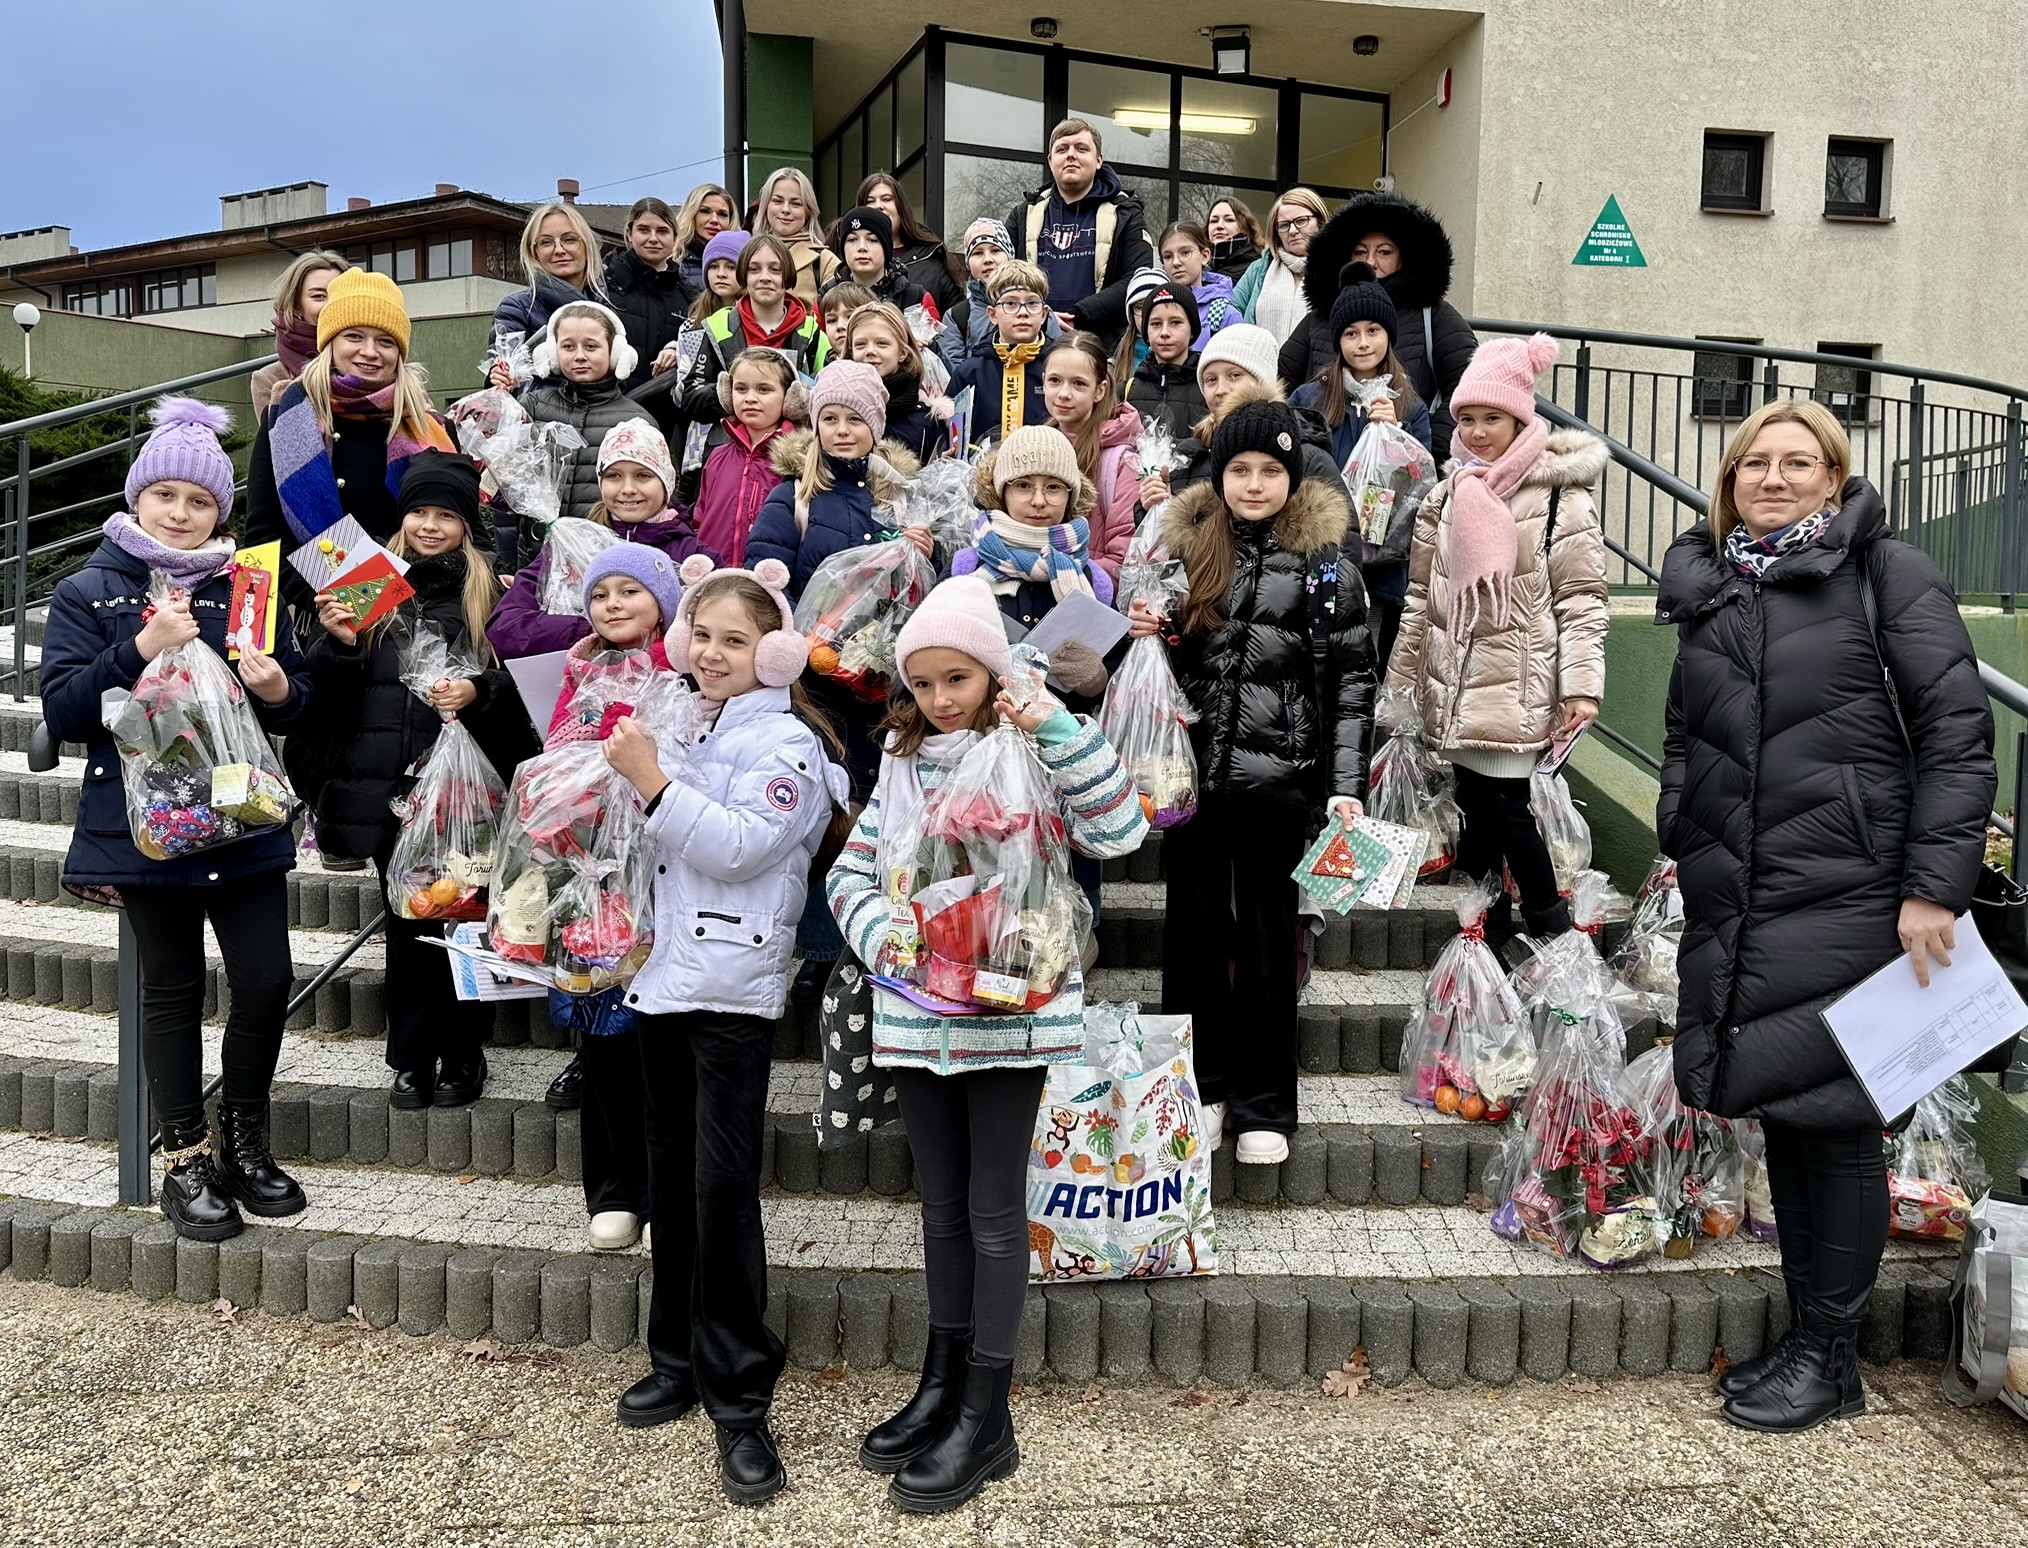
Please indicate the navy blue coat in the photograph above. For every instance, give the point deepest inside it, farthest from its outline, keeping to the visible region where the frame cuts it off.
(1311, 396)
(88, 647)
(984, 374)
(841, 517)
(526, 311)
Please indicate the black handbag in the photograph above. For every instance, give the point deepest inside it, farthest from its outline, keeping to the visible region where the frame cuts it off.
(1999, 903)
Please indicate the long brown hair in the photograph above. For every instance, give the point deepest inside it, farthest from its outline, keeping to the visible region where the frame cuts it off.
(909, 231)
(765, 614)
(1338, 397)
(1087, 438)
(1249, 223)
(911, 727)
(1213, 561)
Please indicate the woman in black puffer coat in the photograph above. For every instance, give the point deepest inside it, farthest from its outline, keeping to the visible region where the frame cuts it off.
(1810, 853)
(646, 286)
(1271, 648)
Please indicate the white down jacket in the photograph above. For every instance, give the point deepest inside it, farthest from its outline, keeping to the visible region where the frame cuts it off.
(734, 839)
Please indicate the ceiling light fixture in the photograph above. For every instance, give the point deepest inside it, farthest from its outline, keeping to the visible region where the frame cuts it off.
(1231, 50)
(1191, 123)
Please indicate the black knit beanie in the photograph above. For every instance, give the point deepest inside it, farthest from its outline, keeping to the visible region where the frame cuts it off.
(1362, 298)
(447, 479)
(866, 218)
(1179, 295)
(1260, 426)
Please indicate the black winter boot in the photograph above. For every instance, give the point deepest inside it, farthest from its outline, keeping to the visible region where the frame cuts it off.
(1817, 1379)
(460, 1081)
(1747, 1373)
(892, 1445)
(978, 1447)
(247, 1167)
(749, 1467)
(194, 1196)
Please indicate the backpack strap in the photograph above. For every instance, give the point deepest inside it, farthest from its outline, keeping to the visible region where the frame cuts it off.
(1031, 234)
(1108, 224)
(1871, 603)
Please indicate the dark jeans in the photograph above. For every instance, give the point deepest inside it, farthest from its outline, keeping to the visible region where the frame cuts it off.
(614, 1125)
(426, 1021)
(970, 1134)
(705, 1078)
(1499, 830)
(1830, 1199)
(1229, 951)
(250, 916)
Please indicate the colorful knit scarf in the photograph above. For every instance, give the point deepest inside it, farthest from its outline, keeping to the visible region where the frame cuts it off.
(1014, 360)
(295, 344)
(302, 457)
(186, 566)
(1008, 548)
(1752, 556)
(794, 315)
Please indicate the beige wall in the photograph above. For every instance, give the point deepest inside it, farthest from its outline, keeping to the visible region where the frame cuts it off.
(245, 306)
(1433, 152)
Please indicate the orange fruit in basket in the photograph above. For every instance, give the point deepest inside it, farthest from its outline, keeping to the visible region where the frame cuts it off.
(1472, 1107)
(823, 659)
(444, 891)
(1446, 1099)
(1720, 1223)
(421, 905)
(1148, 808)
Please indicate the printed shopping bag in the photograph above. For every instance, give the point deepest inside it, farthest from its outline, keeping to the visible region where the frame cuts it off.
(1989, 1308)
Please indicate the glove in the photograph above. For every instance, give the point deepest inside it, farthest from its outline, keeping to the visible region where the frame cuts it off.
(1076, 668)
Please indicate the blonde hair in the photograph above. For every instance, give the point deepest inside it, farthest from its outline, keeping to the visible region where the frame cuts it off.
(887, 315)
(813, 219)
(289, 288)
(693, 205)
(1808, 413)
(1302, 199)
(815, 477)
(482, 592)
(1017, 274)
(594, 271)
(412, 410)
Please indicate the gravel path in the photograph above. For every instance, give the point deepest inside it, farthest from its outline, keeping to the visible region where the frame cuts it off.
(131, 1424)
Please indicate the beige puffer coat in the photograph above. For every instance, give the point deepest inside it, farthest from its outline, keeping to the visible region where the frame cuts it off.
(1501, 691)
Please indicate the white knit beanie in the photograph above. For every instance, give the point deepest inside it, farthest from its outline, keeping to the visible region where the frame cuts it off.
(1247, 345)
(1035, 451)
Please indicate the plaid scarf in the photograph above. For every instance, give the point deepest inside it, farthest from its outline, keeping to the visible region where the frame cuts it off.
(302, 457)
(1007, 549)
(1752, 556)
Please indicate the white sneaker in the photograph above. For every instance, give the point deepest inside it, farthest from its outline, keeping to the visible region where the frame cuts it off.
(1262, 1147)
(1214, 1125)
(613, 1230)
(648, 1237)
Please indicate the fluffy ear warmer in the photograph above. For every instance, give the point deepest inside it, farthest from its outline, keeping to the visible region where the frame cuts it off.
(782, 654)
(625, 356)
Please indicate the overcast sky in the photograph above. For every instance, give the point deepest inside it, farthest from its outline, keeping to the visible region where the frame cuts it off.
(126, 120)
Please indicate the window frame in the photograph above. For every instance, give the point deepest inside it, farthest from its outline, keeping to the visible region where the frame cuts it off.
(1874, 153)
(1755, 145)
(1861, 407)
(1737, 402)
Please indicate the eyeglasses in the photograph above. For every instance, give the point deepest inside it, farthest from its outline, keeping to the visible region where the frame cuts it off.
(1754, 470)
(1020, 308)
(1297, 223)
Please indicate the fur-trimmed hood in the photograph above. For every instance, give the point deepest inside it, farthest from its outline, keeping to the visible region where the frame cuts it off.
(1573, 459)
(1316, 516)
(1424, 277)
(792, 446)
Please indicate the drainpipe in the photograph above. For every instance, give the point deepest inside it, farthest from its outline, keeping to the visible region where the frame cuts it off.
(732, 46)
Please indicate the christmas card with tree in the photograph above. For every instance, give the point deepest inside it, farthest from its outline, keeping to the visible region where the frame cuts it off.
(347, 564)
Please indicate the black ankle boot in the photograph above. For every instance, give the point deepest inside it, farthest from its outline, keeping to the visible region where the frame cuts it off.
(749, 1467)
(1817, 1379)
(194, 1197)
(922, 1421)
(1748, 1373)
(977, 1448)
(460, 1082)
(247, 1167)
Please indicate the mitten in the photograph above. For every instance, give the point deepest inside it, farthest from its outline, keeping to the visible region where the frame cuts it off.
(1076, 668)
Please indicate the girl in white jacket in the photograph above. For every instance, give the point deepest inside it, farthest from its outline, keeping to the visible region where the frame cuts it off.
(735, 836)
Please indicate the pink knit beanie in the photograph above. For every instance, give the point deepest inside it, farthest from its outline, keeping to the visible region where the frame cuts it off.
(960, 614)
(1502, 376)
(853, 385)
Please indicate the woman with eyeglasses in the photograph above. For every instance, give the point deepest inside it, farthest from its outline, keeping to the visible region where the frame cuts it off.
(1823, 823)
(1271, 291)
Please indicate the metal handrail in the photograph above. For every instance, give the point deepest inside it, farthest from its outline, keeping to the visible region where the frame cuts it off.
(57, 418)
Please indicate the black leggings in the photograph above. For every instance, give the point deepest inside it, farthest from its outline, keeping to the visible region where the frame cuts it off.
(1500, 831)
(1830, 1199)
(250, 916)
(970, 1134)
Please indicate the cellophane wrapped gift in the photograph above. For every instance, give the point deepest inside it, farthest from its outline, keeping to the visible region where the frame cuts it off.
(568, 551)
(1409, 784)
(1388, 474)
(1145, 714)
(573, 869)
(1644, 965)
(1933, 1170)
(853, 608)
(197, 768)
(1698, 1168)
(1155, 450)
(1467, 1049)
(515, 351)
(943, 498)
(523, 462)
(1760, 1210)
(1563, 830)
(442, 862)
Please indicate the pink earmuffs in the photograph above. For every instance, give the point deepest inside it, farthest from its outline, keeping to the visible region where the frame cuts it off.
(782, 653)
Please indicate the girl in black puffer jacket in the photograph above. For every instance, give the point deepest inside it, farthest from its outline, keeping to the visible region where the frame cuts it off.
(370, 731)
(1813, 846)
(1271, 649)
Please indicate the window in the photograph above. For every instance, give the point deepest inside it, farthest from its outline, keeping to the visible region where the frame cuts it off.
(976, 186)
(1229, 129)
(159, 290)
(1722, 383)
(450, 257)
(1340, 145)
(99, 298)
(1129, 108)
(879, 134)
(399, 261)
(908, 108)
(1855, 178)
(1734, 171)
(1847, 391)
(992, 96)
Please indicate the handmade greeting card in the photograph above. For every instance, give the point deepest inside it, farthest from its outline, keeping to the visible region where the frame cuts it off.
(363, 576)
(255, 572)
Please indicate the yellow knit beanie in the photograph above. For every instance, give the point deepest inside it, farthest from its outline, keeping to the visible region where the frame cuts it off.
(359, 298)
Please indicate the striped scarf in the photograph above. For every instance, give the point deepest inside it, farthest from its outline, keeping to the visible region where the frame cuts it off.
(302, 457)
(1006, 549)
(1752, 556)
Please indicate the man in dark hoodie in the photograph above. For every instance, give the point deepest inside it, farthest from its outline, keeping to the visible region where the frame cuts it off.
(1085, 232)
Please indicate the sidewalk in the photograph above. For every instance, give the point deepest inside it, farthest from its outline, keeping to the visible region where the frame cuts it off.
(161, 1424)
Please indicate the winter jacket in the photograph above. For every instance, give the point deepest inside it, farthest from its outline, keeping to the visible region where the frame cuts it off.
(1310, 396)
(1168, 393)
(1103, 817)
(591, 409)
(1233, 257)
(1098, 301)
(967, 330)
(370, 727)
(910, 424)
(88, 647)
(1502, 691)
(1317, 460)
(1247, 293)
(1433, 343)
(520, 627)
(651, 303)
(816, 267)
(926, 265)
(266, 385)
(726, 493)
(1280, 713)
(1117, 479)
(985, 373)
(1216, 307)
(592, 662)
(895, 288)
(359, 465)
(1789, 805)
(527, 312)
(807, 345)
(734, 838)
(843, 516)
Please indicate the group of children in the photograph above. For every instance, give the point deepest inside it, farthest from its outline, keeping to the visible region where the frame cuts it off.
(1273, 643)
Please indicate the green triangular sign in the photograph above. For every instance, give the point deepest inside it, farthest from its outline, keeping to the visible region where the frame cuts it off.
(1610, 244)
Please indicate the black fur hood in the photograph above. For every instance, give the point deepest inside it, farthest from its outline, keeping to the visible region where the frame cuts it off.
(1424, 277)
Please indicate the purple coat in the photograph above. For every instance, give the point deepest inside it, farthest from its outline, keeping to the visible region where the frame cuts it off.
(519, 626)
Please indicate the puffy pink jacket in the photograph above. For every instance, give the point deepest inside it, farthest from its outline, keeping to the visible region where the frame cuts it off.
(737, 475)
(1118, 479)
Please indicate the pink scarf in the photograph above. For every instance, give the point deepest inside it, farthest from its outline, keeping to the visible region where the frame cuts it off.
(1483, 543)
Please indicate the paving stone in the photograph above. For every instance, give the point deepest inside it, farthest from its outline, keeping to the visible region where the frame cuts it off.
(450, 1139)
(1493, 1347)
(239, 1266)
(570, 1145)
(289, 1121)
(1031, 1337)
(1178, 1306)
(304, 1017)
(1404, 939)
(1595, 1328)
(798, 1167)
(113, 1252)
(77, 979)
(1387, 1329)
(1348, 1163)
(1926, 1317)
(1391, 1025)
(376, 1281)
(813, 1319)
(151, 1261)
(70, 1248)
(1281, 1331)
(328, 1117)
(344, 906)
(1254, 1184)
(10, 1092)
(1742, 1316)
(889, 1164)
(1332, 1324)
(71, 1100)
(332, 1007)
(909, 1326)
(1305, 1175)
(102, 1103)
(408, 1135)
(1644, 1327)
(1369, 938)
(329, 1267)
(767, 1166)
(1445, 1151)
(775, 1317)
(1397, 1165)
(1126, 1331)
(842, 1168)
(1222, 1168)
(865, 1303)
(313, 902)
(1880, 1334)
(1545, 1326)
(517, 1296)
(1693, 1323)
(49, 879)
(1332, 951)
(8, 1207)
(491, 1136)
(1442, 1333)
(1777, 1303)
(106, 981)
(196, 1272)
(20, 966)
(1482, 1158)
(545, 1033)
(1317, 1043)
(566, 1301)
(615, 1301)
(1359, 1044)
(534, 1140)
(367, 1137)
(1074, 1318)
(1228, 1333)
(510, 1023)
(368, 1002)
(31, 1238)
(285, 1273)
(38, 1097)
(468, 1291)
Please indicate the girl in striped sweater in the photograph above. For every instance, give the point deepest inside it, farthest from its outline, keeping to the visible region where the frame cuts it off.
(969, 1085)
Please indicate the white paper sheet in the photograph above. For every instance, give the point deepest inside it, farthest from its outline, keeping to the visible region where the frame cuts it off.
(480, 974)
(539, 680)
(1079, 617)
(1903, 1041)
